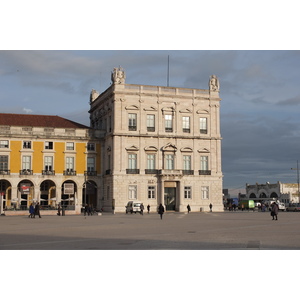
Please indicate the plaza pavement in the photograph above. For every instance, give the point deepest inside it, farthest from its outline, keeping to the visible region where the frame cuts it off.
(176, 231)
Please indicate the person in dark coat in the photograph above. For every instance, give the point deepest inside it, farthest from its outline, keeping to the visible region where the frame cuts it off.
(274, 211)
(142, 209)
(188, 208)
(148, 208)
(85, 209)
(31, 211)
(58, 210)
(210, 207)
(37, 210)
(161, 210)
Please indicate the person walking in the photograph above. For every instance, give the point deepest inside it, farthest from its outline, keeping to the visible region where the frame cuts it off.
(188, 208)
(37, 210)
(58, 210)
(142, 208)
(274, 211)
(148, 208)
(210, 207)
(161, 210)
(85, 209)
(31, 211)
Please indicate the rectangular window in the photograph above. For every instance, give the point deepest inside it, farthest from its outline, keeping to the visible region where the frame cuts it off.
(187, 162)
(204, 163)
(3, 162)
(90, 164)
(150, 161)
(168, 123)
(132, 161)
(132, 122)
(26, 144)
(151, 192)
(187, 192)
(205, 192)
(3, 144)
(186, 124)
(26, 163)
(203, 125)
(49, 145)
(91, 147)
(48, 163)
(69, 146)
(132, 192)
(70, 163)
(170, 162)
(151, 123)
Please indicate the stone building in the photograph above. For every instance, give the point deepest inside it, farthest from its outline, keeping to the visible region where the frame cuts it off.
(161, 145)
(285, 192)
(48, 159)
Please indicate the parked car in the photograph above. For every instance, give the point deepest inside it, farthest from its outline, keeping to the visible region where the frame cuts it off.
(293, 207)
(133, 207)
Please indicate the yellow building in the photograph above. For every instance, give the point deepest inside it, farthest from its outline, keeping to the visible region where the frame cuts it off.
(50, 160)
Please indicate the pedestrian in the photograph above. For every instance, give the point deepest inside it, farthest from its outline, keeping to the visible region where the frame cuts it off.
(89, 210)
(188, 208)
(58, 210)
(37, 210)
(85, 209)
(31, 211)
(142, 208)
(274, 211)
(161, 210)
(210, 207)
(148, 208)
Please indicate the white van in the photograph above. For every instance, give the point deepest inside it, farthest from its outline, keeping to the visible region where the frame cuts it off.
(133, 207)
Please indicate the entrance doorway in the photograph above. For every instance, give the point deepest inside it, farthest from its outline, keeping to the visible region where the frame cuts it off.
(170, 198)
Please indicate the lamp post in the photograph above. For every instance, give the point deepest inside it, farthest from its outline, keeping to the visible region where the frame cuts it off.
(298, 183)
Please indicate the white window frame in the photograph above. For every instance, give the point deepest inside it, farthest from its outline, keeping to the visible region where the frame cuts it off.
(151, 161)
(169, 123)
(203, 125)
(26, 162)
(187, 192)
(4, 144)
(205, 192)
(70, 146)
(132, 161)
(132, 192)
(151, 192)
(48, 163)
(187, 162)
(169, 161)
(186, 121)
(204, 163)
(70, 163)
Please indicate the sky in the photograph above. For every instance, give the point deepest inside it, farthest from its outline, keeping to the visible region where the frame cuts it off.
(260, 94)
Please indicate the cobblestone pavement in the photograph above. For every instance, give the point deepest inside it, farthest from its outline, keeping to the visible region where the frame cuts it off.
(176, 231)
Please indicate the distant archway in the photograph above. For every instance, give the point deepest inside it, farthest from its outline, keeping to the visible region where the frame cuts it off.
(252, 195)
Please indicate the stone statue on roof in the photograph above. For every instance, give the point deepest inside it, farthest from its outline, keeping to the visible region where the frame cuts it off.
(214, 84)
(118, 76)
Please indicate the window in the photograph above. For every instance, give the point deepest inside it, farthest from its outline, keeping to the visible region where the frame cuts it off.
(3, 144)
(150, 161)
(70, 163)
(132, 122)
(151, 192)
(26, 162)
(132, 161)
(187, 162)
(187, 192)
(48, 145)
(3, 162)
(186, 124)
(204, 163)
(151, 123)
(168, 123)
(205, 192)
(170, 161)
(48, 163)
(203, 125)
(91, 147)
(132, 192)
(69, 146)
(90, 164)
(26, 144)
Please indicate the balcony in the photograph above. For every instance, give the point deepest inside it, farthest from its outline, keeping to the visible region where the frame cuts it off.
(26, 172)
(69, 172)
(169, 172)
(132, 171)
(90, 173)
(188, 172)
(48, 172)
(151, 171)
(204, 172)
(4, 172)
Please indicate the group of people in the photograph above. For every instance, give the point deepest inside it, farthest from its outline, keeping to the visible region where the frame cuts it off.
(34, 211)
(89, 210)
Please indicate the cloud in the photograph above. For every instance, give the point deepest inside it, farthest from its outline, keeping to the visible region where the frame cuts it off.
(290, 102)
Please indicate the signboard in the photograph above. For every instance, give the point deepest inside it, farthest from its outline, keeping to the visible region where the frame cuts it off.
(25, 188)
(69, 188)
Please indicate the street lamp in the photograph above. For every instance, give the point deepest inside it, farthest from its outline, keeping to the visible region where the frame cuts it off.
(297, 180)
